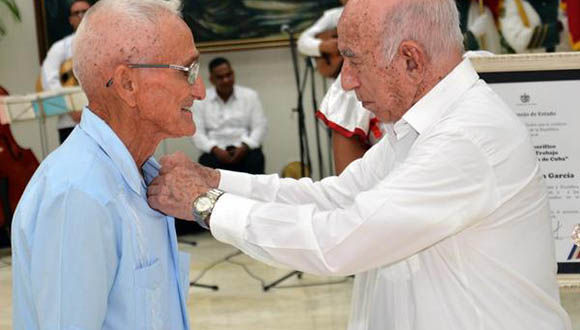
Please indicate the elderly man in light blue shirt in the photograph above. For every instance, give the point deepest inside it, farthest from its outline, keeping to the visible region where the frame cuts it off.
(88, 251)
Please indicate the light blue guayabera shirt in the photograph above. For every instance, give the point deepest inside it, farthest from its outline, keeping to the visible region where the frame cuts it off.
(88, 251)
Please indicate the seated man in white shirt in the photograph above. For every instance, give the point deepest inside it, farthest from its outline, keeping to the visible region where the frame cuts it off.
(445, 221)
(230, 123)
(60, 52)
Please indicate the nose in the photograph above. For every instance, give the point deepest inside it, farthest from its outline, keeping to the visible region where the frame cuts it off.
(348, 78)
(198, 89)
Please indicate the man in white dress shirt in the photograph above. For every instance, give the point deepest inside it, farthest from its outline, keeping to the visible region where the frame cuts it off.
(230, 123)
(60, 52)
(445, 221)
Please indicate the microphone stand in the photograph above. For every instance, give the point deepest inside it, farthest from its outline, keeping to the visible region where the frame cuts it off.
(310, 67)
(303, 137)
(302, 134)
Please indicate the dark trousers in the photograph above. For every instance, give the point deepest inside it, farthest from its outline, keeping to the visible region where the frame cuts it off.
(63, 133)
(253, 163)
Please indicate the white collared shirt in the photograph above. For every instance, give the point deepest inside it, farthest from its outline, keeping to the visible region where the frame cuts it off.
(445, 221)
(230, 123)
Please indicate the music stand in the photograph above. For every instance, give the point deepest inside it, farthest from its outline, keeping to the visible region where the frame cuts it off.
(194, 282)
(41, 105)
(206, 269)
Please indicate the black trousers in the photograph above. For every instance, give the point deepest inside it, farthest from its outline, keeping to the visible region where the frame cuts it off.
(63, 133)
(253, 163)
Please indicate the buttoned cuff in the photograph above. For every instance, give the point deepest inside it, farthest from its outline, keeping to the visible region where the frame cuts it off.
(236, 183)
(229, 218)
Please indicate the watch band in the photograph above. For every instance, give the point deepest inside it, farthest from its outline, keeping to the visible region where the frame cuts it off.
(200, 220)
(201, 217)
(214, 194)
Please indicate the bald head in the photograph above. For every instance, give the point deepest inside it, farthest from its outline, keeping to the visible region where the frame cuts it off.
(395, 51)
(432, 23)
(119, 31)
(136, 61)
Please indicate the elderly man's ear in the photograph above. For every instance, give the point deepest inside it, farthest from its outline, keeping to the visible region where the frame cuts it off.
(125, 85)
(414, 57)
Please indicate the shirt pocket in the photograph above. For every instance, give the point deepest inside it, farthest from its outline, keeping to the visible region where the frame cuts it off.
(148, 313)
(184, 261)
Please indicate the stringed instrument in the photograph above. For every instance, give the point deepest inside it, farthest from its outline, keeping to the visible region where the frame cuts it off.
(17, 165)
(329, 65)
(65, 75)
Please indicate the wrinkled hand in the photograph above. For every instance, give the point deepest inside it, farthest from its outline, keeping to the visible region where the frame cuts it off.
(222, 155)
(177, 159)
(329, 46)
(240, 153)
(179, 183)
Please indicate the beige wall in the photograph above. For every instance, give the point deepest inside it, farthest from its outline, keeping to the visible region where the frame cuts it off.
(268, 71)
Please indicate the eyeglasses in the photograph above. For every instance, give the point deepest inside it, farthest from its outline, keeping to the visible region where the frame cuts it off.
(191, 72)
(79, 13)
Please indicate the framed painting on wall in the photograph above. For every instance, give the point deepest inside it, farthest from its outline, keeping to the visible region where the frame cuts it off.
(216, 24)
(243, 24)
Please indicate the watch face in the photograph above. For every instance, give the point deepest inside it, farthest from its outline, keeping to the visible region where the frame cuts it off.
(203, 204)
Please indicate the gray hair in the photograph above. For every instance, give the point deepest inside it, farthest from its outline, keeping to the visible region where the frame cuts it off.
(97, 44)
(432, 23)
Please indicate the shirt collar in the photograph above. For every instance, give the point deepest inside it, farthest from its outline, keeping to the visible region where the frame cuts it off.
(116, 150)
(431, 107)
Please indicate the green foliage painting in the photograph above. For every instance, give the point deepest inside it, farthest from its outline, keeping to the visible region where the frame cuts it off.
(212, 20)
(220, 20)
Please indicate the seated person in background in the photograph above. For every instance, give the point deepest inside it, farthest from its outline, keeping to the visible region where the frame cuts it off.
(88, 252)
(59, 53)
(530, 26)
(230, 123)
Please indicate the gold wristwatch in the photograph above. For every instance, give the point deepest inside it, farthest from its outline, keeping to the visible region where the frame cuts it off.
(203, 205)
